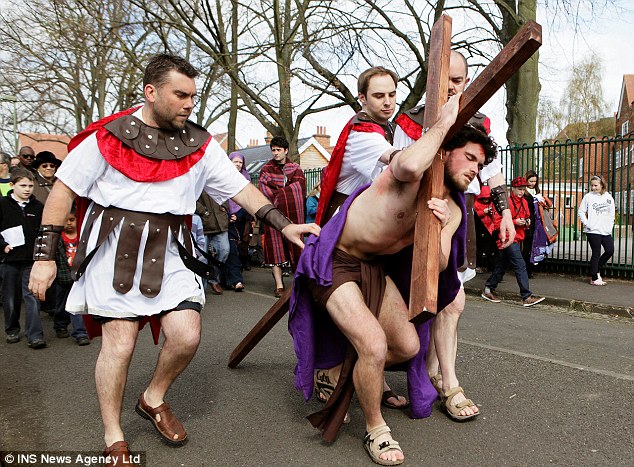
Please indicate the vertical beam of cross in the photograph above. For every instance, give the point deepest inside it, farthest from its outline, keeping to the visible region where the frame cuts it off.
(425, 262)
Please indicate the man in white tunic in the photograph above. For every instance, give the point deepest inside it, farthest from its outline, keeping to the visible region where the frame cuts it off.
(142, 171)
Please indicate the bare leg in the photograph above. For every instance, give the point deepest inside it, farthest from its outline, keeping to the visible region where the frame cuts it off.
(445, 332)
(111, 372)
(182, 336)
(277, 275)
(374, 345)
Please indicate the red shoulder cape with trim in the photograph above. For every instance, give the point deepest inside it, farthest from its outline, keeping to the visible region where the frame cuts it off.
(332, 170)
(138, 168)
(415, 130)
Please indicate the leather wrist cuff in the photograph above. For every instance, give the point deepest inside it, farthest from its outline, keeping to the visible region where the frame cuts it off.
(500, 198)
(272, 217)
(46, 242)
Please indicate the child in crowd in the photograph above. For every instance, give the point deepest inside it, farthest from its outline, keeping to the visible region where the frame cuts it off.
(66, 250)
(512, 255)
(485, 226)
(20, 218)
(597, 213)
(312, 200)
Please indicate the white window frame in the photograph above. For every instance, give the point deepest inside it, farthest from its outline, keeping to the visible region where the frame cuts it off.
(625, 127)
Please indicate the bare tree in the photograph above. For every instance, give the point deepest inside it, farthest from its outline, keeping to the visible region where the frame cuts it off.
(583, 98)
(68, 64)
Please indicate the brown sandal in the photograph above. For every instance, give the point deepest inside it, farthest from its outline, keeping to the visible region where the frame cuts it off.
(164, 420)
(389, 394)
(118, 454)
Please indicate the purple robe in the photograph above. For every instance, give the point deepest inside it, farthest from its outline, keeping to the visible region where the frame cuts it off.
(318, 341)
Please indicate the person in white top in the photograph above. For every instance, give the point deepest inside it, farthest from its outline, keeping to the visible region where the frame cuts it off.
(143, 170)
(596, 213)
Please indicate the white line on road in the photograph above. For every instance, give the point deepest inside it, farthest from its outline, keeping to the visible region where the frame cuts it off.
(260, 294)
(550, 360)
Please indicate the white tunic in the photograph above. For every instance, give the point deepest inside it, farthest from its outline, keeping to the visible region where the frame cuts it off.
(87, 174)
(361, 163)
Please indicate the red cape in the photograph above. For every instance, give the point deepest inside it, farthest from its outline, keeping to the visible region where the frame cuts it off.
(332, 170)
(415, 130)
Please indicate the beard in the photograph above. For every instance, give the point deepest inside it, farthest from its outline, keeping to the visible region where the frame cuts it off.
(167, 121)
(455, 182)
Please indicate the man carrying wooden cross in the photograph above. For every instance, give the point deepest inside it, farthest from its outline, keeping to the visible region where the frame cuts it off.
(341, 273)
(441, 357)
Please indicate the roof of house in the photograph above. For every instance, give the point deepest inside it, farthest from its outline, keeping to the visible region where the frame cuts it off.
(627, 89)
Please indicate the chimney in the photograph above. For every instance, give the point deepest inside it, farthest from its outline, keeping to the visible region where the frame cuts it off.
(253, 143)
(268, 137)
(322, 138)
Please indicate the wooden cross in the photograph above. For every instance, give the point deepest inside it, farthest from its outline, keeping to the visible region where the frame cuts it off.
(424, 290)
(425, 264)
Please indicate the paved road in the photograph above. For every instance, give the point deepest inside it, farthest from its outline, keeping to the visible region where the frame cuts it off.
(554, 389)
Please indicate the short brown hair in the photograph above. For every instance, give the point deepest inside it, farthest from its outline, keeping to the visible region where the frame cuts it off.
(19, 173)
(364, 78)
(160, 65)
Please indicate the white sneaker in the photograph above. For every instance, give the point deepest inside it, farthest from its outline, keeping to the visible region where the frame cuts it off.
(599, 281)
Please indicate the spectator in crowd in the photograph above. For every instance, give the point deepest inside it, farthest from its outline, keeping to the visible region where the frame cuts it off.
(512, 255)
(45, 165)
(532, 189)
(26, 154)
(484, 225)
(284, 184)
(312, 200)
(67, 249)
(239, 226)
(15, 161)
(215, 227)
(198, 235)
(20, 217)
(597, 213)
(5, 178)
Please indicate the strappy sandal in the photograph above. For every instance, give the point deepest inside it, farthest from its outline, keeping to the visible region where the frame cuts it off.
(324, 388)
(375, 449)
(453, 410)
(436, 382)
(323, 385)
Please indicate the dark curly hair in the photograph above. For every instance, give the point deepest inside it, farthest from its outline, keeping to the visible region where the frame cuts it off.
(279, 141)
(473, 133)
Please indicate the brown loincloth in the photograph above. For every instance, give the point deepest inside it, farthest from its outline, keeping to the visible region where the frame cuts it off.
(370, 277)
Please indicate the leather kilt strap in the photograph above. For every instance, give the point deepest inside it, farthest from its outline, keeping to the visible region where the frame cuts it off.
(132, 225)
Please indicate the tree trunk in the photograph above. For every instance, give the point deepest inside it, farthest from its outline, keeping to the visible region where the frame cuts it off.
(233, 108)
(522, 90)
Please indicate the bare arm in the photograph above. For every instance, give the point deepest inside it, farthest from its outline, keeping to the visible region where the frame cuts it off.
(507, 228)
(409, 164)
(252, 199)
(56, 211)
